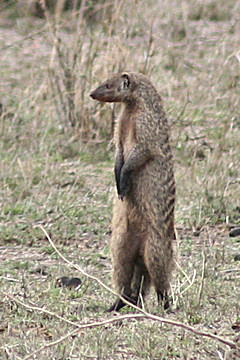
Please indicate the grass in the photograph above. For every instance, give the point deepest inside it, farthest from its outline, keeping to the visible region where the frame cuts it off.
(57, 172)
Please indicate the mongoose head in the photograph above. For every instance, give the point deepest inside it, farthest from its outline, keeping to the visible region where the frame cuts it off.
(117, 89)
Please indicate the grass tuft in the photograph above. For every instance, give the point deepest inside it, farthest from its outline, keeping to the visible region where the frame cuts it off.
(56, 161)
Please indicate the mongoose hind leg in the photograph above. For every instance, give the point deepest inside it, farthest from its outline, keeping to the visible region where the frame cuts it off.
(140, 286)
(159, 262)
(124, 252)
(122, 275)
(163, 299)
(119, 304)
(128, 268)
(141, 282)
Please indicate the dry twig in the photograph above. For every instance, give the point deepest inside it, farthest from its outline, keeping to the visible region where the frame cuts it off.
(143, 312)
(141, 315)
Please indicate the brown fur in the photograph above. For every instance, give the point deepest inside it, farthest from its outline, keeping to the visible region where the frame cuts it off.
(143, 215)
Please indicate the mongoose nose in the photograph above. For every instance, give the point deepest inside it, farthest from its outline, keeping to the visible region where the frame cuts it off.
(92, 94)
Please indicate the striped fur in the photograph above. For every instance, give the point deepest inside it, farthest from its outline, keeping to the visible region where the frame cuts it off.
(143, 215)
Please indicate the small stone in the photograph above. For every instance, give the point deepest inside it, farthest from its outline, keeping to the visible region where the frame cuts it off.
(236, 326)
(71, 283)
(237, 257)
(234, 232)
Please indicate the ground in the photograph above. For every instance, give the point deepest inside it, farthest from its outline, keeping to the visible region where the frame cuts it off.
(57, 158)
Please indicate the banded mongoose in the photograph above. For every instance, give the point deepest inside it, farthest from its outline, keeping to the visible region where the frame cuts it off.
(143, 213)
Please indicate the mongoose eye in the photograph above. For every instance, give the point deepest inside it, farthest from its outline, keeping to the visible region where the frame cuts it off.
(107, 86)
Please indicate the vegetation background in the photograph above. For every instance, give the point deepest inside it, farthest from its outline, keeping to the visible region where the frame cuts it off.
(56, 170)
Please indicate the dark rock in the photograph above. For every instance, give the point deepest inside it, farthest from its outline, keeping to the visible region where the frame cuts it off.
(234, 232)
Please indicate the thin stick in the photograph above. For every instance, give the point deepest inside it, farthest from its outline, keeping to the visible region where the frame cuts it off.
(78, 268)
(85, 326)
(143, 312)
(144, 315)
(183, 272)
(200, 292)
(37, 308)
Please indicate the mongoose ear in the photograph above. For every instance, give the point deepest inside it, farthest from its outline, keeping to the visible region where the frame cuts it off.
(126, 81)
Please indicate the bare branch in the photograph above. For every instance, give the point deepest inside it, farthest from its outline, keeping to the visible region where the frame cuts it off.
(82, 327)
(143, 312)
(37, 308)
(141, 315)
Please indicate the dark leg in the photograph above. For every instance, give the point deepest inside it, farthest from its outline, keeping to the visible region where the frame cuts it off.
(124, 251)
(119, 304)
(128, 267)
(141, 282)
(141, 285)
(158, 257)
(163, 298)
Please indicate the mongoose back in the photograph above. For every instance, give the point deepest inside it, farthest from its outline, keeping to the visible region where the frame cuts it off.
(143, 213)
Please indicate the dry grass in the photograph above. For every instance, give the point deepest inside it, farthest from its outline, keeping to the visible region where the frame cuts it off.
(56, 160)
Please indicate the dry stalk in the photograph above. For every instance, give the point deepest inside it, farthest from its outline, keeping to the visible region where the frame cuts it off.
(63, 78)
(37, 308)
(149, 51)
(143, 313)
(83, 327)
(190, 281)
(200, 291)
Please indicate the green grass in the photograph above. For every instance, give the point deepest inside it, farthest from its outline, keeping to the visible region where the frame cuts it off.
(61, 177)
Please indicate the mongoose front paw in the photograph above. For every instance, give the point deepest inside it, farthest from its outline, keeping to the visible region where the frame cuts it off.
(124, 187)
